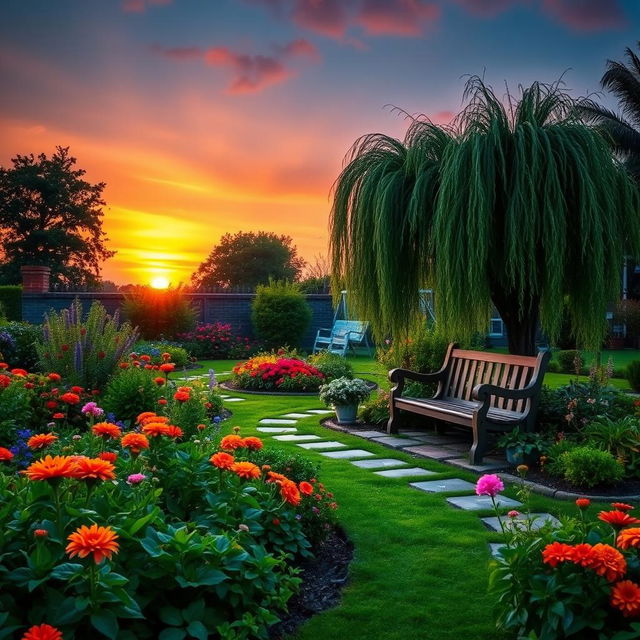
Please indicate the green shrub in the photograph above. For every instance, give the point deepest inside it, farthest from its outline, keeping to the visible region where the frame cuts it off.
(376, 410)
(331, 365)
(190, 413)
(423, 351)
(159, 313)
(280, 314)
(18, 344)
(587, 467)
(155, 349)
(553, 367)
(130, 392)
(11, 302)
(295, 466)
(569, 361)
(15, 412)
(84, 352)
(633, 374)
(619, 437)
(553, 466)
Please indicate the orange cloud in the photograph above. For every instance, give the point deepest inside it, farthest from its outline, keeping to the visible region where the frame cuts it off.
(396, 17)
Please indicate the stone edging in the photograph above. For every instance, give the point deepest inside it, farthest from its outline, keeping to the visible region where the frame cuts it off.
(223, 385)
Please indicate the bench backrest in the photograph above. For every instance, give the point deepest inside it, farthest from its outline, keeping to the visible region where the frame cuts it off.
(342, 327)
(466, 369)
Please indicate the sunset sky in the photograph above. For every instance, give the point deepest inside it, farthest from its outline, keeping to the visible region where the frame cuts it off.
(212, 116)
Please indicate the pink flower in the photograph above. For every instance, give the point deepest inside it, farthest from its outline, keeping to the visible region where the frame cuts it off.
(92, 409)
(489, 485)
(136, 478)
(513, 513)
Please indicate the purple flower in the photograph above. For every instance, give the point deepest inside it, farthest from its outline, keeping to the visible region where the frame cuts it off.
(92, 409)
(136, 478)
(489, 485)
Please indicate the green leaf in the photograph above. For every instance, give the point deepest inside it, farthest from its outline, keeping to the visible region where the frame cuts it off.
(67, 571)
(141, 522)
(198, 630)
(171, 615)
(172, 634)
(195, 610)
(106, 623)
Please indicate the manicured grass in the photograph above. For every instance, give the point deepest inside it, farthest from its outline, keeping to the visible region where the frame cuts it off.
(420, 568)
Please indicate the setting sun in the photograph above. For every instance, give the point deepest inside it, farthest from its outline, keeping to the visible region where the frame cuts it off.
(160, 283)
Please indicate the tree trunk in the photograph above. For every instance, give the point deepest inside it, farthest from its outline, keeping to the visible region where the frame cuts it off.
(521, 324)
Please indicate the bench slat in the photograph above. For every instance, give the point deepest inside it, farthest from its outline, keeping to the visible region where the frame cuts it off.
(504, 358)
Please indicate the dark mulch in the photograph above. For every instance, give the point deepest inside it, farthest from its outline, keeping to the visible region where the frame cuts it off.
(323, 578)
(626, 488)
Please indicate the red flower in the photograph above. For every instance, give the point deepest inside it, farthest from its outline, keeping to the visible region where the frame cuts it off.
(181, 396)
(124, 365)
(289, 492)
(19, 372)
(5, 381)
(58, 416)
(159, 381)
(40, 533)
(583, 503)
(557, 552)
(162, 402)
(42, 632)
(174, 432)
(305, 488)
(109, 456)
(622, 506)
(5, 455)
(167, 367)
(617, 519)
(145, 358)
(608, 562)
(70, 398)
(51, 404)
(4, 365)
(77, 389)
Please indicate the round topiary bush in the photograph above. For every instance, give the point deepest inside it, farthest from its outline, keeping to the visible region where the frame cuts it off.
(633, 375)
(587, 467)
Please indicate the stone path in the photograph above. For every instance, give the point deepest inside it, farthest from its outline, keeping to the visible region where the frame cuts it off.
(460, 493)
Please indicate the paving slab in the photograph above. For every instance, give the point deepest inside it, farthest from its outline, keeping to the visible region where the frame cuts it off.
(404, 432)
(538, 520)
(235, 399)
(330, 444)
(296, 438)
(495, 547)
(435, 453)
(444, 486)
(295, 415)
(478, 503)
(442, 441)
(345, 455)
(405, 473)
(490, 464)
(277, 429)
(320, 412)
(396, 443)
(366, 434)
(224, 397)
(379, 463)
(275, 421)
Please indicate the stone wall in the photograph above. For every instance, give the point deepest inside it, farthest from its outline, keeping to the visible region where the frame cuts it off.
(232, 308)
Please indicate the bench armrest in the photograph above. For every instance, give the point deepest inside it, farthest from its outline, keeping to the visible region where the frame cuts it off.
(482, 392)
(398, 375)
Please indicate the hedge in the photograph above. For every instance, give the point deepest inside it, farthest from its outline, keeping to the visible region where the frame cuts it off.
(11, 301)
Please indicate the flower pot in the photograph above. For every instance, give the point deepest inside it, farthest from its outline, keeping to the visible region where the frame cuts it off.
(346, 413)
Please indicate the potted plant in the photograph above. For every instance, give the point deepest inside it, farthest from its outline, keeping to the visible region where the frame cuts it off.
(522, 447)
(345, 394)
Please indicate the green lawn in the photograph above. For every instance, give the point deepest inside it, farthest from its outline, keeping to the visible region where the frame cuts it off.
(420, 566)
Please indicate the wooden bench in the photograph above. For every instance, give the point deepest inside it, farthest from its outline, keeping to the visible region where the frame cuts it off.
(345, 334)
(478, 390)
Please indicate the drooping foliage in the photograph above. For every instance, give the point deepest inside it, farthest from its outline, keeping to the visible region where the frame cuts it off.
(518, 204)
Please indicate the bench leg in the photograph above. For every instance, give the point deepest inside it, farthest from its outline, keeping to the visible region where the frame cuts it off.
(395, 420)
(479, 446)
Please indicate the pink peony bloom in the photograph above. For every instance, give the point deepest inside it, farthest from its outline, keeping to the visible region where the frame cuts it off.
(513, 513)
(136, 478)
(92, 409)
(489, 485)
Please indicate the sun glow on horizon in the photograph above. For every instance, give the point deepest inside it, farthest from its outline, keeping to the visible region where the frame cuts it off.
(160, 282)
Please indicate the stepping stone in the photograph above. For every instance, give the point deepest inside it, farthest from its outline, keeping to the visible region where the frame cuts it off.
(402, 432)
(538, 520)
(435, 453)
(235, 399)
(345, 455)
(367, 434)
(442, 441)
(380, 463)
(320, 412)
(295, 415)
(494, 548)
(397, 443)
(294, 438)
(490, 464)
(331, 444)
(477, 503)
(223, 396)
(404, 473)
(277, 429)
(275, 421)
(444, 486)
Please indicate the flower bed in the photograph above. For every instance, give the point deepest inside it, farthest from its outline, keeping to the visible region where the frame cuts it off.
(272, 372)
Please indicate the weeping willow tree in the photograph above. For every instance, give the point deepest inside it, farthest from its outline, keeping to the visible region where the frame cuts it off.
(518, 204)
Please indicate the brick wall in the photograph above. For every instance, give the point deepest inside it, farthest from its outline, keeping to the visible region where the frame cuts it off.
(232, 308)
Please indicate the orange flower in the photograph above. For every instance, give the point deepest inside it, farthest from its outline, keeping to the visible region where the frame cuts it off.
(305, 488)
(41, 440)
(231, 443)
(273, 476)
(5, 455)
(109, 456)
(135, 441)
(582, 554)
(159, 381)
(246, 470)
(622, 506)
(185, 389)
(144, 415)
(556, 552)
(99, 541)
(124, 365)
(625, 596)
(70, 398)
(167, 367)
(629, 538)
(155, 429)
(19, 372)
(106, 430)
(94, 469)
(253, 443)
(155, 418)
(201, 427)
(166, 356)
(617, 519)
(51, 468)
(173, 431)
(289, 492)
(222, 460)
(608, 562)
(42, 632)
(181, 396)
(583, 503)
(54, 377)
(58, 416)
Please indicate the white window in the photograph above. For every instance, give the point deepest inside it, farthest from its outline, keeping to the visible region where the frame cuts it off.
(496, 327)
